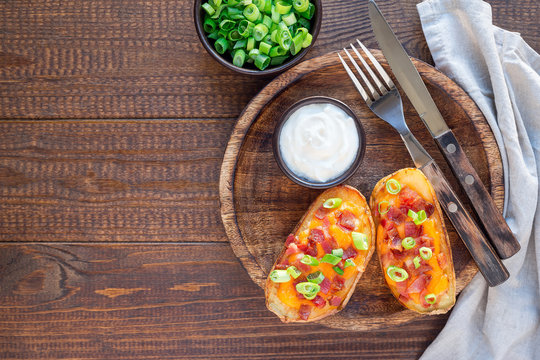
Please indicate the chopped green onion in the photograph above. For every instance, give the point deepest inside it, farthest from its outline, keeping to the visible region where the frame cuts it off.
(251, 12)
(234, 35)
(317, 277)
(330, 259)
(208, 8)
(278, 60)
(268, 7)
(396, 273)
(425, 253)
(308, 289)
(260, 4)
(301, 5)
(349, 262)
(209, 25)
(304, 23)
(301, 30)
(227, 25)
(430, 299)
(250, 44)
(275, 16)
(293, 271)
(338, 270)
(267, 21)
(259, 32)
(239, 58)
(277, 51)
(338, 252)
(393, 186)
(418, 217)
(245, 28)
(360, 240)
(283, 7)
(284, 38)
(214, 35)
(279, 276)
(289, 19)
(332, 203)
(214, 3)
(222, 33)
(264, 48)
(309, 13)
(416, 262)
(253, 53)
(296, 44)
(408, 243)
(262, 61)
(307, 40)
(382, 212)
(235, 14)
(221, 45)
(218, 14)
(240, 44)
(309, 260)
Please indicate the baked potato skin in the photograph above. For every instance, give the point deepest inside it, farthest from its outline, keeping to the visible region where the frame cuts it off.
(415, 180)
(289, 313)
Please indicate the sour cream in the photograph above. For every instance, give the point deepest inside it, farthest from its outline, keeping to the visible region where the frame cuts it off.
(319, 142)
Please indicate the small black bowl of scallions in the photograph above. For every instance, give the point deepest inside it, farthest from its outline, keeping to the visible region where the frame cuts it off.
(258, 37)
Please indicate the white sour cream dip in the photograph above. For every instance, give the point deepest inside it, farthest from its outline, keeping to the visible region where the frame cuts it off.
(319, 142)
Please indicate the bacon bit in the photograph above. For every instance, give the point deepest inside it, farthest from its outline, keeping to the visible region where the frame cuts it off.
(383, 223)
(282, 266)
(404, 298)
(337, 284)
(290, 239)
(326, 247)
(401, 287)
(319, 301)
(429, 209)
(302, 267)
(419, 284)
(424, 240)
(347, 220)
(321, 212)
(349, 252)
(411, 229)
(341, 264)
(300, 296)
(423, 298)
(326, 222)
(304, 311)
(441, 259)
(387, 258)
(312, 248)
(325, 286)
(284, 262)
(398, 255)
(334, 300)
(394, 214)
(292, 249)
(395, 244)
(316, 235)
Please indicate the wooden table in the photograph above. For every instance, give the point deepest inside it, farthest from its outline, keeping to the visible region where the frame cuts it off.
(115, 124)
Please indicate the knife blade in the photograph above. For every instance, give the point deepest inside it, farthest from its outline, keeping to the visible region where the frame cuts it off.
(500, 235)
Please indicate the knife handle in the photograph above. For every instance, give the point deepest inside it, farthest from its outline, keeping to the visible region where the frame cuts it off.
(502, 238)
(483, 254)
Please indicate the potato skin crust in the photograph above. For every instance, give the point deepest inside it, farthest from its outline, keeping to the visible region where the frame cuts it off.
(415, 179)
(289, 314)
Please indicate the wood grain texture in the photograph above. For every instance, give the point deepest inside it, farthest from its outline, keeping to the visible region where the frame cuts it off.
(135, 59)
(260, 206)
(111, 181)
(162, 302)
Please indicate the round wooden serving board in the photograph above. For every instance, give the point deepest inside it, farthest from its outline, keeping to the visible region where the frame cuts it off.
(260, 206)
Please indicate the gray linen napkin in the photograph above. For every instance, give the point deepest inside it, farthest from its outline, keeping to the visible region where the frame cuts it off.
(502, 74)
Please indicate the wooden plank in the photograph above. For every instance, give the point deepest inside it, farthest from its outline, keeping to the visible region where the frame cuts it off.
(163, 302)
(134, 59)
(113, 181)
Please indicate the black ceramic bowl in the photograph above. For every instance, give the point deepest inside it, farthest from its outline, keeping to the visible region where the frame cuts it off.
(225, 59)
(345, 175)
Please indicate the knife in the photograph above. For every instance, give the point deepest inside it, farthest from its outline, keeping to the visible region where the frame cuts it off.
(500, 235)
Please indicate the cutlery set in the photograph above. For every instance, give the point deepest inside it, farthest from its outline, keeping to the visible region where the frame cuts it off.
(487, 243)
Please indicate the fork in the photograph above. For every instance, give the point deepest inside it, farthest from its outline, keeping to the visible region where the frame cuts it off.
(385, 101)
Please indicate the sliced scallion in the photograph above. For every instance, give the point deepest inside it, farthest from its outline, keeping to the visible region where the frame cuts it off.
(330, 259)
(308, 289)
(349, 262)
(283, 7)
(416, 262)
(221, 45)
(332, 203)
(262, 61)
(309, 260)
(239, 58)
(294, 272)
(425, 253)
(393, 186)
(430, 299)
(397, 274)
(408, 243)
(384, 210)
(279, 276)
(417, 217)
(360, 240)
(251, 12)
(301, 5)
(338, 252)
(317, 277)
(338, 270)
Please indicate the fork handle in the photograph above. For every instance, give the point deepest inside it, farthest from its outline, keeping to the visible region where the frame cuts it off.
(502, 238)
(483, 254)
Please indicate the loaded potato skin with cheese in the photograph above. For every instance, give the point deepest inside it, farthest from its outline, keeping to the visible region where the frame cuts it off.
(412, 242)
(323, 258)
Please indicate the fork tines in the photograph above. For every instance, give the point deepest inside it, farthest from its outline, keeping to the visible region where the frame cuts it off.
(371, 94)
